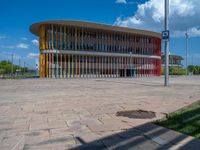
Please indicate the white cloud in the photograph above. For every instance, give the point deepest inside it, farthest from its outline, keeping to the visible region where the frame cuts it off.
(33, 55)
(184, 15)
(194, 31)
(23, 45)
(35, 42)
(121, 1)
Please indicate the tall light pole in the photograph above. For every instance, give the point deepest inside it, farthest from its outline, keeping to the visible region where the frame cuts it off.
(24, 66)
(166, 33)
(186, 51)
(19, 62)
(12, 64)
(192, 60)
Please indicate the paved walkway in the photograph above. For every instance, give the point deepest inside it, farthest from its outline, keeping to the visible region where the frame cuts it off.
(81, 113)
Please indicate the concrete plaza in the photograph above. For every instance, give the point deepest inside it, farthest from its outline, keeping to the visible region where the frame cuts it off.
(81, 113)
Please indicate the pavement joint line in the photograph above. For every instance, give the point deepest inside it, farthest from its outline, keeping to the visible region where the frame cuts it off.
(18, 143)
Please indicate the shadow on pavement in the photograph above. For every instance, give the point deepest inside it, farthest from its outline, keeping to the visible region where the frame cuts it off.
(143, 137)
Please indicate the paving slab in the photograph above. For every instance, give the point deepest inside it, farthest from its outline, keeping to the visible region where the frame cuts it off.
(51, 114)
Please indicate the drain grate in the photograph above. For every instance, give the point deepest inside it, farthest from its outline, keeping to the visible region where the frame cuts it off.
(137, 114)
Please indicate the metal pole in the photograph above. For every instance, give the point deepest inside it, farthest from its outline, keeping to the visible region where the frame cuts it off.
(19, 62)
(12, 64)
(24, 66)
(186, 53)
(192, 60)
(166, 43)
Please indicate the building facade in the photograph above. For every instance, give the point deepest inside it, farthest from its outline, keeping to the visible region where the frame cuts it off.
(76, 49)
(174, 60)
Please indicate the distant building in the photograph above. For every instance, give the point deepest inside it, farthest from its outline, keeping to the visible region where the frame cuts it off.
(18, 72)
(174, 60)
(80, 49)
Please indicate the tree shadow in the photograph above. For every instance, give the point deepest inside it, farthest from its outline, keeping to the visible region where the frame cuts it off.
(147, 136)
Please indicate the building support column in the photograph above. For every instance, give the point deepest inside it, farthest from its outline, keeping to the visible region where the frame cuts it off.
(69, 67)
(117, 67)
(42, 66)
(65, 65)
(89, 66)
(76, 66)
(47, 65)
(102, 66)
(50, 65)
(83, 73)
(61, 64)
(53, 66)
(93, 67)
(79, 64)
(86, 66)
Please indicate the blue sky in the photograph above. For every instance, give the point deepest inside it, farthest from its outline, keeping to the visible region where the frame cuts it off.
(17, 16)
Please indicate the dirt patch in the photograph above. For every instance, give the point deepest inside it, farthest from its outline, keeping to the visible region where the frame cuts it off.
(137, 114)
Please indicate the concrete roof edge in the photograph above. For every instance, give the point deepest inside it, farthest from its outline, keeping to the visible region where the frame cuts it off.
(34, 28)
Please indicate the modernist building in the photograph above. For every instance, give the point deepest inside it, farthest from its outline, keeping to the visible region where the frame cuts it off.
(174, 60)
(82, 49)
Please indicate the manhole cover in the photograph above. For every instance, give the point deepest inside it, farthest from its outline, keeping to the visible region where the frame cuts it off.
(137, 114)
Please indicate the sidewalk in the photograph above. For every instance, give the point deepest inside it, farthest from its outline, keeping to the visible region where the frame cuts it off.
(81, 114)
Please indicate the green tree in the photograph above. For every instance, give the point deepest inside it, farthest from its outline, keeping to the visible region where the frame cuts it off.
(194, 69)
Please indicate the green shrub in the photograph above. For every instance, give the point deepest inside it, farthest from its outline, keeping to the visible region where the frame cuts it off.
(194, 69)
(174, 71)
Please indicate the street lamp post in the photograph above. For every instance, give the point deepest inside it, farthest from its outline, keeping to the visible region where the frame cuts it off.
(12, 64)
(24, 66)
(19, 62)
(167, 43)
(186, 52)
(192, 60)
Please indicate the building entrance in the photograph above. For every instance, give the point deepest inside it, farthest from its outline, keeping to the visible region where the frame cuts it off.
(127, 72)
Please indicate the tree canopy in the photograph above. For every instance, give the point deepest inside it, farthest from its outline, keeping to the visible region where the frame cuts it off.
(6, 67)
(194, 69)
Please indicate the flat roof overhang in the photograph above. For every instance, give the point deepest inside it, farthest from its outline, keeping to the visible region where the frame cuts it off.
(34, 28)
(86, 53)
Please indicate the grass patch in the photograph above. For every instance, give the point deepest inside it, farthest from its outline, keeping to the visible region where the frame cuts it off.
(185, 120)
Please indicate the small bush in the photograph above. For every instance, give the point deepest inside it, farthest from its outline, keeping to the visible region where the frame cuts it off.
(174, 71)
